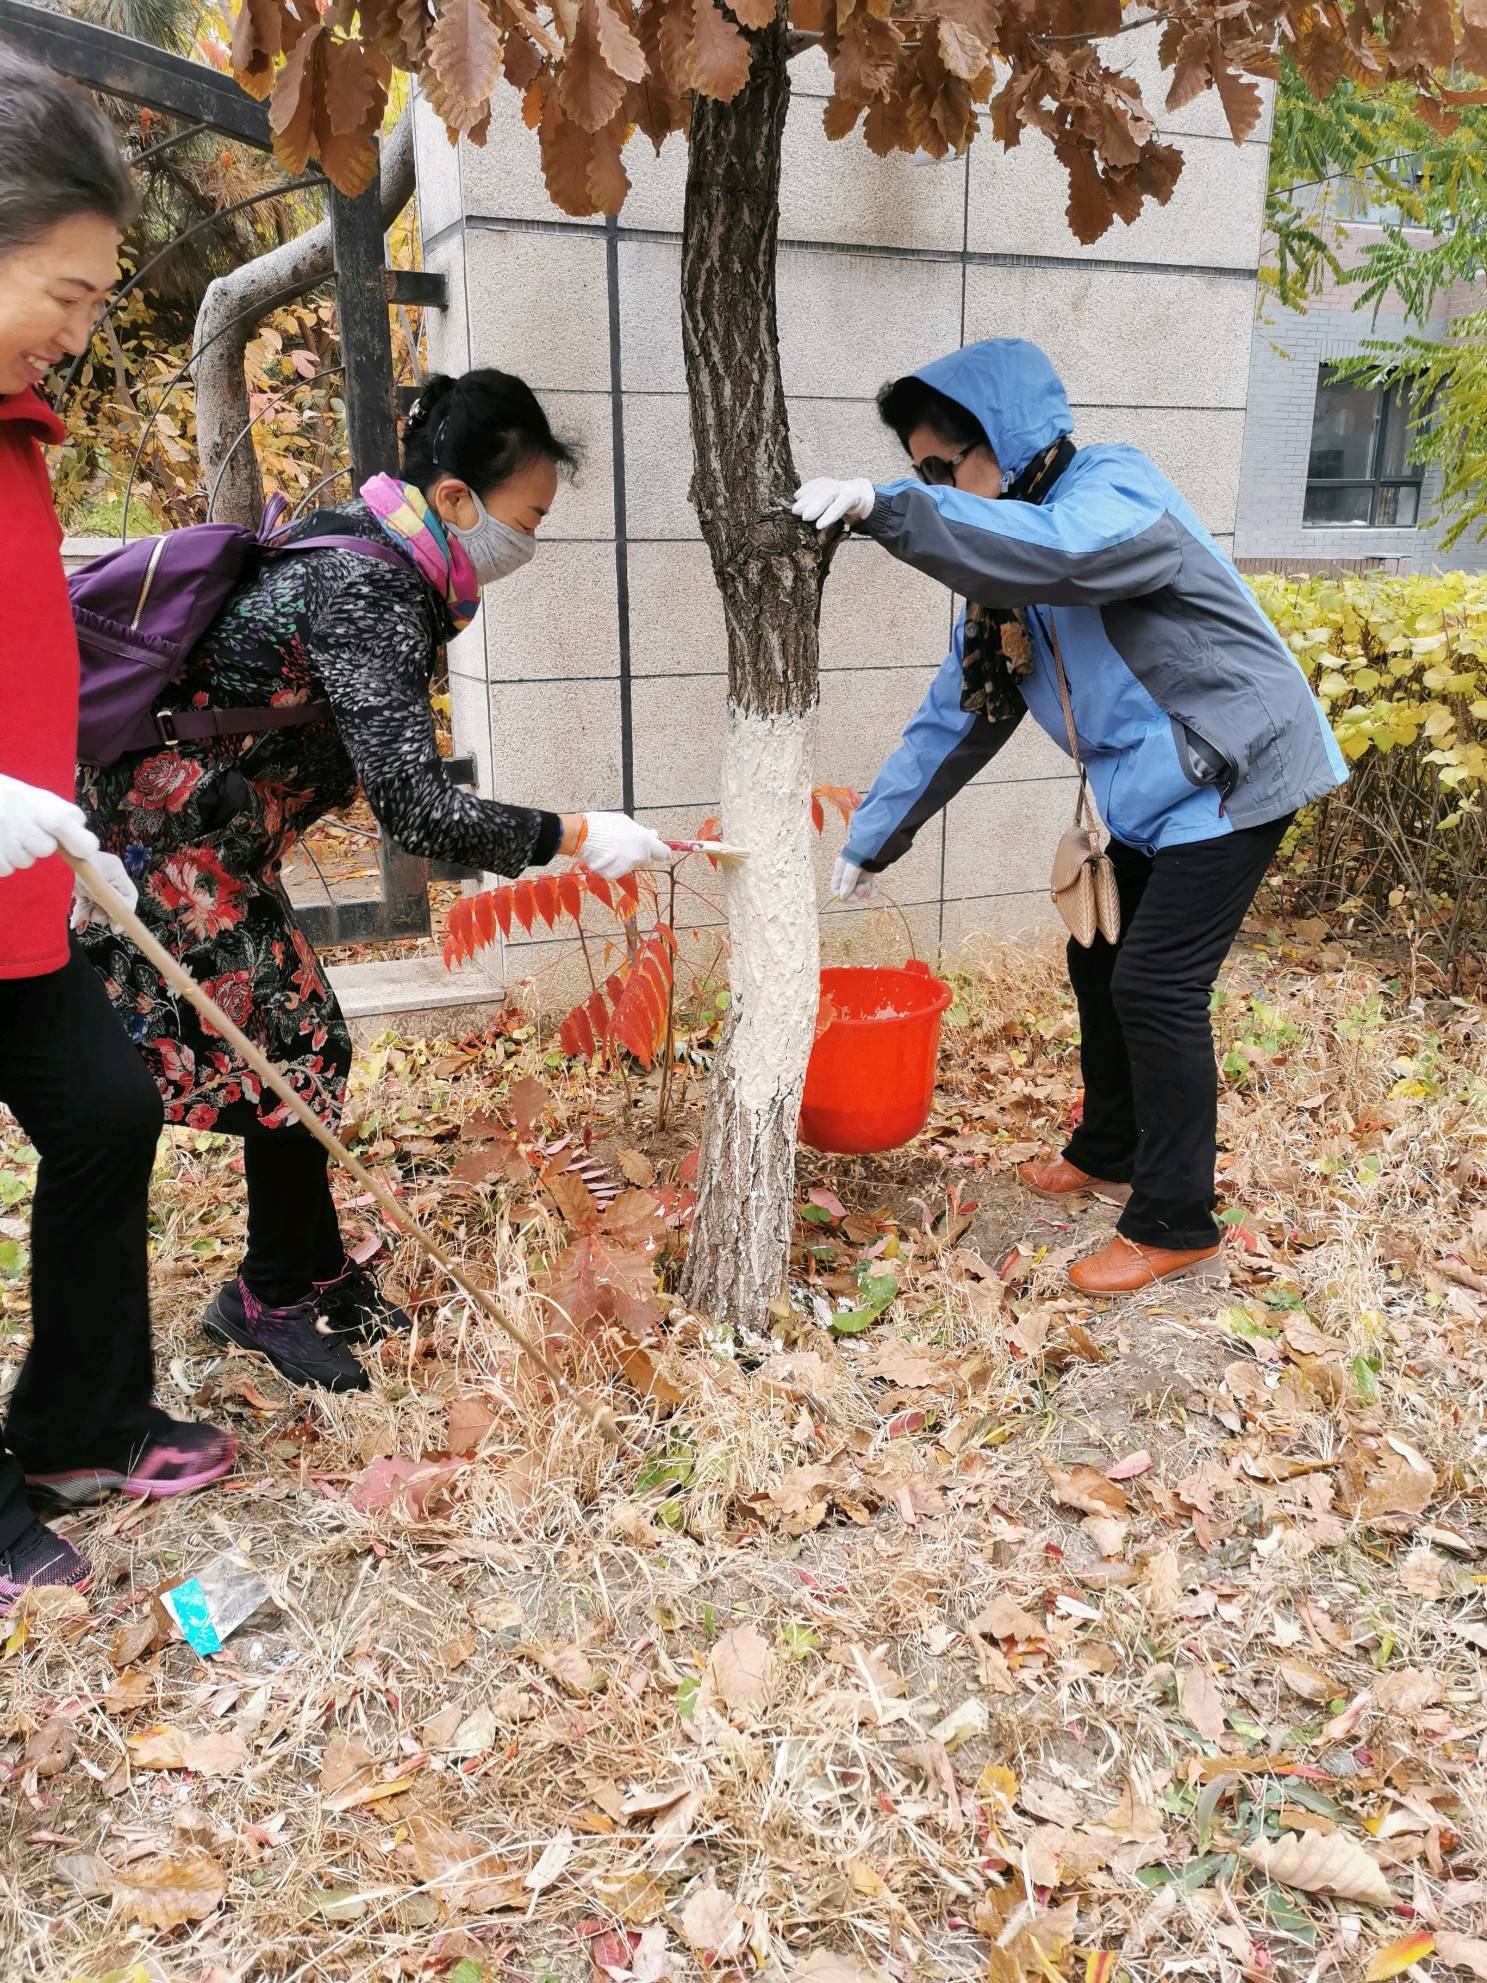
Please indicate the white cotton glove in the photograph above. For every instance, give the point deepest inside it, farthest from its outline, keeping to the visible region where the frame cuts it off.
(849, 883)
(824, 502)
(615, 844)
(35, 823)
(85, 910)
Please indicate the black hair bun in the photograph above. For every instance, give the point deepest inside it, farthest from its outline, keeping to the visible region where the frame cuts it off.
(431, 395)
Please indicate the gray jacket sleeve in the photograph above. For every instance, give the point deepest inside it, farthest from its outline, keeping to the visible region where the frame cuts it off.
(1102, 540)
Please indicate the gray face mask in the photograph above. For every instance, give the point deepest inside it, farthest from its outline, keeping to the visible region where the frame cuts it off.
(494, 548)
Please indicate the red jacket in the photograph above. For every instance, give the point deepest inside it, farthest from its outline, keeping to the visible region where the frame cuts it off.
(38, 678)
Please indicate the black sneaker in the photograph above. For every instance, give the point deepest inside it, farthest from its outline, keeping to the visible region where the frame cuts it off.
(354, 1305)
(38, 1557)
(294, 1339)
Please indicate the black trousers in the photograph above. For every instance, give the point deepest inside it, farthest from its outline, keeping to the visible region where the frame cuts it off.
(81, 1093)
(294, 1237)
(1150, 1083)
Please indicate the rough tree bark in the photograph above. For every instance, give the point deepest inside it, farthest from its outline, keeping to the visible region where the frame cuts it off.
(769, 572)
(235, 305)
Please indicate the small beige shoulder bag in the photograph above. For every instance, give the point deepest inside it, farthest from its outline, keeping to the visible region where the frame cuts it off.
(1083, 881)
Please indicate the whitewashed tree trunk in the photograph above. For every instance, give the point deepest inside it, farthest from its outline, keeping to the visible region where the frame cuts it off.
(769, 572)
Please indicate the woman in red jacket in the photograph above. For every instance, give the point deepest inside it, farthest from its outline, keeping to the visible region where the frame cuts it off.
(81, 1421)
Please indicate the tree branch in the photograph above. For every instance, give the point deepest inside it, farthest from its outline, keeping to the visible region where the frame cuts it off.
(251, 293)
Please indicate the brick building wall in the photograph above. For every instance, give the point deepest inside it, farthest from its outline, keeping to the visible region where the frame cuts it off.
(1290, 347)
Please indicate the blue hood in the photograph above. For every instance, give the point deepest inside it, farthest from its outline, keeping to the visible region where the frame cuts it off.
(1013, 391)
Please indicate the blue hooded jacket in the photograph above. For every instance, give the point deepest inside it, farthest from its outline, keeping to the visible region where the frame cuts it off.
(1193, 717)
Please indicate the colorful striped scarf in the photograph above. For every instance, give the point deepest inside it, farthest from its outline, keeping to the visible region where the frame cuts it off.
(403, 511)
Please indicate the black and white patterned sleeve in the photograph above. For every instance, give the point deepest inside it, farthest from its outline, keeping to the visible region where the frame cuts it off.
(371, 644)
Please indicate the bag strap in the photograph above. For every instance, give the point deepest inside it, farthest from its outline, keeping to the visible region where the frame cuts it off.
(1081, 801)
(191, 725)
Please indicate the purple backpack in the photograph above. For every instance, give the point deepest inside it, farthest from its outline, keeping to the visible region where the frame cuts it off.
(142, 610)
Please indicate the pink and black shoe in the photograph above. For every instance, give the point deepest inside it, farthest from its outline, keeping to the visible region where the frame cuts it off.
(296, 1342)
(36, 1559)
(178, 1459)
(354, 1306)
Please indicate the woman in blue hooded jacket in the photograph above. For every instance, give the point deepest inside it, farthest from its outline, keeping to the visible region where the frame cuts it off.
(1197, 729)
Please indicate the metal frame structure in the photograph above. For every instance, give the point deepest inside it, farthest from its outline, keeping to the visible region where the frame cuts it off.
(1377, 483)
(365, 288)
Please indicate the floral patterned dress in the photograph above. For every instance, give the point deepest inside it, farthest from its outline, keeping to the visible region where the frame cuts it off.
(205, 827)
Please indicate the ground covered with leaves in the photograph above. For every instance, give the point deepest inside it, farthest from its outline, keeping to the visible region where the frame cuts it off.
(946, 1626)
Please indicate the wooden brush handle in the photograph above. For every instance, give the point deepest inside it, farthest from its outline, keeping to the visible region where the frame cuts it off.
(118, 912)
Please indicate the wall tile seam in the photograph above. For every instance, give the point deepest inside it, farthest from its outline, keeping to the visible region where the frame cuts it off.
(864, 250)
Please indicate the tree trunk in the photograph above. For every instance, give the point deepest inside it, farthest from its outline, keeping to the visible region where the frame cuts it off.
(231, 311)
(768, 570)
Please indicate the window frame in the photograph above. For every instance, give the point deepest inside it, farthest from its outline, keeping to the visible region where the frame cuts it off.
(1375, 483)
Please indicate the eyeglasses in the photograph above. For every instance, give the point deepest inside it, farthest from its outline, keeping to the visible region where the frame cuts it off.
(939, 470)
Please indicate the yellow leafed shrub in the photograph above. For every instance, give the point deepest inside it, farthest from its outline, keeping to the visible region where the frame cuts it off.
(1400, 666)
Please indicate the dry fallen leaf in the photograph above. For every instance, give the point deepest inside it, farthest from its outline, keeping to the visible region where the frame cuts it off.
(463, 1871)
(570, 1666)
(1330, 1863)
(1462, 1952)
(467, 1423)
(1161, 1582)
(50, 1746)
(1004, 1618)
(1407, 1689)
(1106, 1533)
(130, 1691)
(410, 1488)
(346, 1758)
(824, 1967)
(635, 1167)
(166, 1748)
(741, 1670)
(971, 1718)
(550, 1866)
(713, 1924)
(1307, 1681)
(1128, 1468)
(166, 1893)
(1087, 1490)
(1396, 1489)
(1200, 1700)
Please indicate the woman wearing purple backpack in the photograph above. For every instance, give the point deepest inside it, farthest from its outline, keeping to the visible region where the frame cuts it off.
(346, 635)
(81, 1418)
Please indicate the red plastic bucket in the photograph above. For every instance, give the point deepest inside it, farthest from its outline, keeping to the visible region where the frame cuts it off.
(872, 1070)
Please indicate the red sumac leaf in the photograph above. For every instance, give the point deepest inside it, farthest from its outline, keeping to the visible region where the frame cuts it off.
(545, 897)
(628, 889)
(501, 903)
(576, 1035)
(598, 887)
(457, 932)
(522, 904)
(483, 919)
(818, 814)
(570, 894)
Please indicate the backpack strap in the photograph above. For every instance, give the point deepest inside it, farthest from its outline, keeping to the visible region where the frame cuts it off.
(191, 725)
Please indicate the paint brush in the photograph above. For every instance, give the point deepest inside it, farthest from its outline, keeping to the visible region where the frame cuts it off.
(716, 850)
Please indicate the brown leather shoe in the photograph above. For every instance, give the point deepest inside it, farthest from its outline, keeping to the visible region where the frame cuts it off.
(1057, 1178)
(1124, 1267)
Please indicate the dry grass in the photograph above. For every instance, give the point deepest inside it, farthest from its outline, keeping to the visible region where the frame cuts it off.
(790, 1672)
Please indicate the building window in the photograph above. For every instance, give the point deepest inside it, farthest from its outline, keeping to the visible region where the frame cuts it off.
(1359, 475)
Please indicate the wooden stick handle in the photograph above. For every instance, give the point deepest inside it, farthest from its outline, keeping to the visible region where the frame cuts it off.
(599, 1416)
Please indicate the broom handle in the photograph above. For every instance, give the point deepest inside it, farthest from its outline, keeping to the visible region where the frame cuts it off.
(600, 1416)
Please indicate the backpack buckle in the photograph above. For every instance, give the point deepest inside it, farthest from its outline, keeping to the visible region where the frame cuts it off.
(165, 723)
